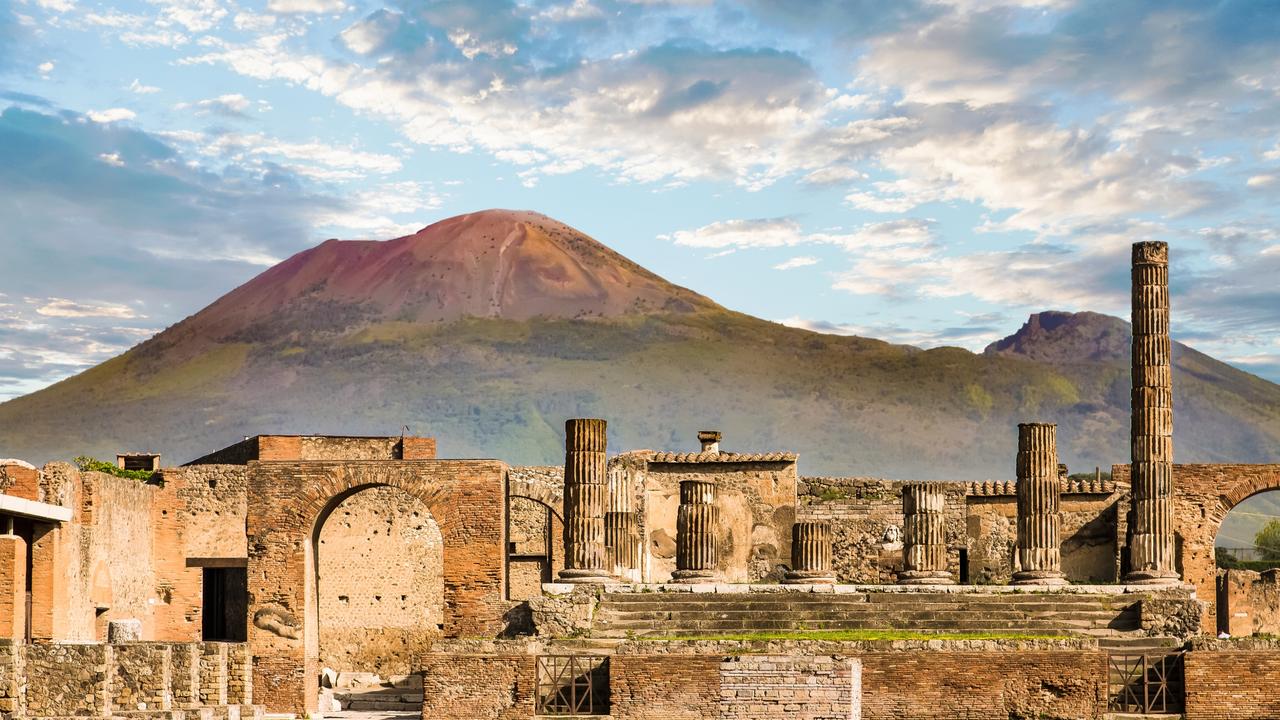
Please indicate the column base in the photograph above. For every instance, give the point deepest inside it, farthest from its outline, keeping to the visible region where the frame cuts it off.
(1043, 578)
(580, 576)
(925, 577)
(693, 577)
(1152, 577)
(808, 577)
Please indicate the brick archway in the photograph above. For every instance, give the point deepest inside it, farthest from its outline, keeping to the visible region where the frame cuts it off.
(287, 503)
(546, 493)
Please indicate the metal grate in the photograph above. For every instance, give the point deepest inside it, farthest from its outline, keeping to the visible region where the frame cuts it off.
(572, 685)
(1145, 683)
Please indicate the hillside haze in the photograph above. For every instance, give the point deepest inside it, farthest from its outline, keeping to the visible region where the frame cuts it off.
(488, 330)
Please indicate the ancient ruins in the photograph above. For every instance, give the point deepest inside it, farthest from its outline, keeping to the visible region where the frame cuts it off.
(318, 574)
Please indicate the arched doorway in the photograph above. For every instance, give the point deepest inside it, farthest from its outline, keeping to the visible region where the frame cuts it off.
(379, 583)
(535, 535)
(1247, 554)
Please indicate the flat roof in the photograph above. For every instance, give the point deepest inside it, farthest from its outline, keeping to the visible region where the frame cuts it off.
(22, 507)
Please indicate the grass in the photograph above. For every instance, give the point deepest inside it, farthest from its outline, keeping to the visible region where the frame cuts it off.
(850, 635)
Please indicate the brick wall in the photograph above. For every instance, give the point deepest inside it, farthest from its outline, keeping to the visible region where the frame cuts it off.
(465, 497)
(20, 480)
(1088, 537)
(759, 687)
(13, 587)
(1240, 685)
(683, 687)
(1252, 602)
(931, 685)
(380, 588)
(495, 687)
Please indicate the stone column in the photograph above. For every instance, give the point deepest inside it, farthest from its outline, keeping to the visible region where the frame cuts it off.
(810, 554)
(621, 534)
(586, 491)
(1151, 547)
(924, 545)
(697, 522)
(1039, 494)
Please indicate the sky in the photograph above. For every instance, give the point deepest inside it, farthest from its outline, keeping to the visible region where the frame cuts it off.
(925, 172)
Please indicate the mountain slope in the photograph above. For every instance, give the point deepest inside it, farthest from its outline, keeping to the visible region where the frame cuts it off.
(489, 329)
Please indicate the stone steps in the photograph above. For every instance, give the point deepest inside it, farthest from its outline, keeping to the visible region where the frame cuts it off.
(622, 614)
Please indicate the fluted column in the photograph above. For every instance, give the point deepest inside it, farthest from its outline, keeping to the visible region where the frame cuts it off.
(697, 522)
(1151, 546)
(810, 554)
(621, 534)
(1039, 496)
(586, 491)
(924, 544)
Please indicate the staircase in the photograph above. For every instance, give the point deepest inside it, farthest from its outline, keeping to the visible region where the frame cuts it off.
(693, 614)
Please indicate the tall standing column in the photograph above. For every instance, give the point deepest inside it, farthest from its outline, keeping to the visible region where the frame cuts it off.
(924, 544)
(586, 491)
(810, 554)
(1039, 496)
(1151, 546)
(621, 536)
(697, 522)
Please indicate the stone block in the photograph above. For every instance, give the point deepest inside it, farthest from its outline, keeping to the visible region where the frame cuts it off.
(122, 631)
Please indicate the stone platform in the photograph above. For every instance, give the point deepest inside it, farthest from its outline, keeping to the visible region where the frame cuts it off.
(676, 610)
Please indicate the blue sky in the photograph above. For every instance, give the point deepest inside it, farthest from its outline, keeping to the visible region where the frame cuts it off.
(922, 172)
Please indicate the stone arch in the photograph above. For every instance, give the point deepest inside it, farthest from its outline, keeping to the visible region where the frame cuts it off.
(539, 489)
(287, 504)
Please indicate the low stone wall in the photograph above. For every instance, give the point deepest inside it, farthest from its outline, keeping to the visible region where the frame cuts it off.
(105, 680)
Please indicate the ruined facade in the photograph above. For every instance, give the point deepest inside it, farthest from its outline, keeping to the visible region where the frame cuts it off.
(282, 572)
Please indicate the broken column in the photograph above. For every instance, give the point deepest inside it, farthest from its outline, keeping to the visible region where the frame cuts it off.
(924, 545)
(586, 492)
(810, 554)
(697, 522)
(1039, 493)
(1151, 545)
(621, 534)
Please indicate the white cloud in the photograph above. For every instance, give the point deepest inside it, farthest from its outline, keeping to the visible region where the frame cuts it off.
(60, 6)
(111, 159)
(796, 262)
(253, 21)
(111, 115)
(1262, 181)
(45, 67)
(230, 105)
(139, 88)
(155, 38)
(305, 6)
(194, 15)
(774, 232)
(63, 308)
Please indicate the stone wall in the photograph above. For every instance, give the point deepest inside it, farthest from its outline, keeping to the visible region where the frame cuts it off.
(1088, 534)
(379, 583)
(866, 524)
(101, 680)
(321, 447)
(1233, 681)
(64, 679)
(1252, 602)
(757, 510)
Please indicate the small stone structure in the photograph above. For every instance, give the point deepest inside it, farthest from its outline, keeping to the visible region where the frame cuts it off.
(924, 543)
(1151, 541)
(697, 528)
(1038, 501)
(586, 490)
(810, 554)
